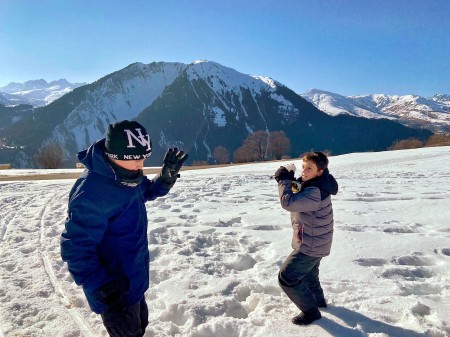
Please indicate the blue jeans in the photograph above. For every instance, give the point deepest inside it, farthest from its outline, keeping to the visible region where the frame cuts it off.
(299, 279)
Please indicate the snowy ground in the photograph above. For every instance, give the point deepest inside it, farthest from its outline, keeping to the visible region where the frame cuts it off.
(218, 239)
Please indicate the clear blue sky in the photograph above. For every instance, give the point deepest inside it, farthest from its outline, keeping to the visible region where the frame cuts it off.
(345, 46)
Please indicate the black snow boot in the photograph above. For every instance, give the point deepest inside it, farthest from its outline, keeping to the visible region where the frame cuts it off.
(307, 317)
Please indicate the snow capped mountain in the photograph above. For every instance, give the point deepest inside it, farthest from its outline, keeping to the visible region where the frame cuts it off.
(441, 98)
(196, 106)
(216, 101)
(223, 79)
(411, 110)
(36, 92)
(335, 104)
(121, 95)
(4, 100)
(225, 83)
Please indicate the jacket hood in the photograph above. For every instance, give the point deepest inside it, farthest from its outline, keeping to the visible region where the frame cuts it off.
(94, 159)
(326, 183)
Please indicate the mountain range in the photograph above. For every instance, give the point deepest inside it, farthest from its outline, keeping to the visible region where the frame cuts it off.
(411, 110)
(431, 113)
(36, 92)
(196, 107)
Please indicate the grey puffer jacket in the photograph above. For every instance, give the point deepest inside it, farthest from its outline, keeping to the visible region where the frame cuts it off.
(311, 212)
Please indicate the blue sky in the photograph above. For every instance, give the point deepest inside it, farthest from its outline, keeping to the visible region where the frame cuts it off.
(348, 47)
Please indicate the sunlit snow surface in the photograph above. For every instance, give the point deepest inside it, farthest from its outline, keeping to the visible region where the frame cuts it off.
(218, 239)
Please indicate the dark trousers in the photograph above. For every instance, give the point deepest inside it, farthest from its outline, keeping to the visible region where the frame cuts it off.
(299, 279)
(131, 321)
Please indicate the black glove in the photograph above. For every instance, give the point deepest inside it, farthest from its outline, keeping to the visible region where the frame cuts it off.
(282, 174)
(110, 294)
(173, 160)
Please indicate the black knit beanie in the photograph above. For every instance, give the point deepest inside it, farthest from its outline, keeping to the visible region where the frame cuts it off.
(127, 140)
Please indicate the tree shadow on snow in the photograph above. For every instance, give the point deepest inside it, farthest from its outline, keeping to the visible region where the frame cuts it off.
(360, 325)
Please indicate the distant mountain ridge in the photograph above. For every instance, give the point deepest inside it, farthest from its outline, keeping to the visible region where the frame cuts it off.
(196, 107)
(35, 92)
(411, 110)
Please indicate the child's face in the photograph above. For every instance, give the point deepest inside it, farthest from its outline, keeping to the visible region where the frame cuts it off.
(132, 165)
(310, 170)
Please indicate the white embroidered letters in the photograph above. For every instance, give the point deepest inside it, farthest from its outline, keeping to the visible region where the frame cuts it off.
(141, 139)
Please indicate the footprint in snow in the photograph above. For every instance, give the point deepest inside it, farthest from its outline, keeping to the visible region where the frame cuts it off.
(415, 259)
(419, 289)
(446, 251)
(229, 223)
(408, 229)
(265, 227)
(371, 262)
(410, 274)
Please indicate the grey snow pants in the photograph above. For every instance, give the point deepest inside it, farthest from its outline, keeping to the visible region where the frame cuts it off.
(299, 279)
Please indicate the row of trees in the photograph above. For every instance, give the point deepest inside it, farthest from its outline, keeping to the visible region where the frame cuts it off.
(262, 145)
(258, 146)
(414, 143)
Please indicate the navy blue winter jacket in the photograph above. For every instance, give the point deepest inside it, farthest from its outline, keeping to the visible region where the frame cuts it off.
(105, 236)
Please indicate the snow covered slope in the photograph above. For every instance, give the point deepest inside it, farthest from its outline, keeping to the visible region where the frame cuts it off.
(432, 113)
(36, 92)
(217, 241)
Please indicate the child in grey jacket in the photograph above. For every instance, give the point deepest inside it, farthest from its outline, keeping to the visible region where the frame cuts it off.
(312, 222)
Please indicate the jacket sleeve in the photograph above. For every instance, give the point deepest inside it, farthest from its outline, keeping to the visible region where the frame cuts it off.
(305, 201)
(84, 229)
(155, 188)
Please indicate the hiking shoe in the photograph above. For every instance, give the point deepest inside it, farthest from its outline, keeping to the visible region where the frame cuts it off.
(307, 317)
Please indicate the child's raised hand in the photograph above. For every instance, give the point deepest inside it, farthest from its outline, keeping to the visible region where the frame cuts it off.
(173, 160)
(283, 174)
(291, 167)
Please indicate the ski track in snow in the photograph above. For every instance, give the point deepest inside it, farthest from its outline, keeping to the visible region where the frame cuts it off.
(218, 239)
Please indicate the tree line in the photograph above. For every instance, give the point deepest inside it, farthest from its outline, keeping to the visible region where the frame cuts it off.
(439, 139)
(258, 146)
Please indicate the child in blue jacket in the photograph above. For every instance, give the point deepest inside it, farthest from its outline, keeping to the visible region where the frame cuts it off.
(105, 238)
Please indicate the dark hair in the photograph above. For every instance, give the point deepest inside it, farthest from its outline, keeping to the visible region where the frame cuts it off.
(319, 158)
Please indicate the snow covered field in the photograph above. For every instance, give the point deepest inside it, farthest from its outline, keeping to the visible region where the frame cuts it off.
(218, 239)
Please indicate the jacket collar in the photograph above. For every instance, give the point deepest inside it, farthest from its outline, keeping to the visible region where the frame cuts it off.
(325, 183)
(95, 160)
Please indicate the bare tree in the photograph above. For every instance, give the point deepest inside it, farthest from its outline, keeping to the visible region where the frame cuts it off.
(410, 143)
(243, 155)
(257, 142)
(200, 163)
(221, 155)
(438, 140)
(49, 156)
(279, 144)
